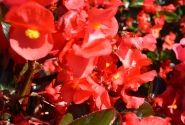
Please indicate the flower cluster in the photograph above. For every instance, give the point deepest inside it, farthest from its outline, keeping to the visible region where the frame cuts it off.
(82, 56)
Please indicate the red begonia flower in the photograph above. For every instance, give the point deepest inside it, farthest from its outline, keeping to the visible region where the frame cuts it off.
(17, 58)
(154, 120)
(51, 65)
(179, 50)
(102, 100)
(165, 69)
(99, 47)
(30, 34)
(59, 43)
(133, 77)
(100, 95)
(183, 117)
(74, 4)
(100, 30)
(76, 91)
(53, 91)
(134, 58)
(14, 2)
(106, 68)
(79, 66)
(150, 6)
(28, 48)
(117, 78)
(123, 48)
(169, 8)
(31, 15)
(107, 63)
(172, 100)
(43, 2)
(147, 42)
(107, 25)
(132, 119)
(169, 40)
(143, 22)
(72, 24)
(132, 101)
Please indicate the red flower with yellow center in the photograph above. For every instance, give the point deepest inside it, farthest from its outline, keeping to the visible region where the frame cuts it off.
(31, 28)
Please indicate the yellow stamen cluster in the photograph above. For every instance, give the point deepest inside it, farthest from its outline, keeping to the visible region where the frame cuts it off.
(107, 65)
(32, 34)
(116, 76)
(173, 106)
(75, 85)
(96, 26)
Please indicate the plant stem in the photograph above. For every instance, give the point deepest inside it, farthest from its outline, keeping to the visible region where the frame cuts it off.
(27, 84)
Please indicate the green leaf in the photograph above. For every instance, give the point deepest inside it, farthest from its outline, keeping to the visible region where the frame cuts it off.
(104, 117)
(67, 118)
(161, 2)
(6, 29)
(136, 3)
(5, 116)
(133, 29)
(145, 110)
(152, 55)
(180, 11)
(167, 54)
(170, 16)
(143, 89)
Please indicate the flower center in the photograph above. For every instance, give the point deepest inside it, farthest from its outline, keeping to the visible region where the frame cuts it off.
(116, 76)
(107, 65)
(96, 26)
(76, 85)
(32, 34)
(173, 106)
